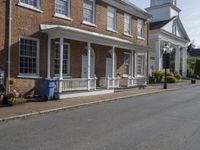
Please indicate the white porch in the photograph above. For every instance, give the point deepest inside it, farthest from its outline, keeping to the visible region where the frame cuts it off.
(176, 44)
(87, 83)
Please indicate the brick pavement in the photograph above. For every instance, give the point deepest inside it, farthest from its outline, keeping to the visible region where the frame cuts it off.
(34, 107)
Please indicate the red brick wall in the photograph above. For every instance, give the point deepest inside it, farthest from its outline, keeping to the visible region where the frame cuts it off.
(3, 54)
(25, 22)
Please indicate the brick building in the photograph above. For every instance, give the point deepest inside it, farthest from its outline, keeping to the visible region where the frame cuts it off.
(83, 44)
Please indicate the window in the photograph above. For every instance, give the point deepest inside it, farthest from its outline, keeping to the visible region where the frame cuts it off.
(127, 62)
(111, 19)
(140, 28)
(127, 24)
(65, 59)
(140, 64)
(32, 3)
(63, 7)
(28, 53)
(89, 11)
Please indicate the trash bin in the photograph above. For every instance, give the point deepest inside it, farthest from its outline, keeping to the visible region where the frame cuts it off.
(46, 88)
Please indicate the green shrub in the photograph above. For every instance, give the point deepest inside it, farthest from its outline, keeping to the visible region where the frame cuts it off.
(171, 79)
(170, 74)
(178, 77)
(152, 79)
(10, 100)
(159, 76)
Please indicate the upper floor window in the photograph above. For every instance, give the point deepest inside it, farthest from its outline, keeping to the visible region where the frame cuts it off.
(111, 19)
(32, 3)
(29, 56)
(63, 7)
(140, 28)
(127, 24)
(89, 11)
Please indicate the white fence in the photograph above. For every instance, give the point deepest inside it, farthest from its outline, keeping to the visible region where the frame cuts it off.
(108, 82)
(139, 81)
(77, 84)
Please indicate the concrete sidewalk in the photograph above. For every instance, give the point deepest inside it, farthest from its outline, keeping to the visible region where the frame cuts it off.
(35, 108)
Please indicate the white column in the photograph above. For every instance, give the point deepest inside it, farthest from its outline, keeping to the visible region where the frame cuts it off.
(177, 60)
(184, 63)
(89, 64)
(135, 63)
(61, 64)
(49, 59)
(158, 55)
(132, 66)
(113, 67)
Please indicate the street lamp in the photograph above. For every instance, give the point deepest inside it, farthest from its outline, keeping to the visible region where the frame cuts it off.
(166, 56)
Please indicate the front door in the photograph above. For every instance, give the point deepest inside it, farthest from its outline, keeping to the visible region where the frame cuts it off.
(109, 65)
(84, 70)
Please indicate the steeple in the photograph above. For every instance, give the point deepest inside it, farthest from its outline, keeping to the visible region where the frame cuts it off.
(163, 9)
(162, 2)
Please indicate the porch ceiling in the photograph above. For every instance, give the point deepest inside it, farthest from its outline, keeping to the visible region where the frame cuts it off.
(57, 31)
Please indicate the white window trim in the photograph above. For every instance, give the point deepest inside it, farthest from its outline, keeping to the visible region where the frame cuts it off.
(127, 75)
(94, 15)
(138, 36)
(64, 16)
(68, 71)
(130, 19)
(28, 75)
(89, 24)
(30, 7)
(143, 65)
(115, 22)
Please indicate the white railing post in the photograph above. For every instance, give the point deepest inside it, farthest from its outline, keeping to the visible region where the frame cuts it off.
(49, 58)
(118, 78)
(113, 67)
(89, 64)
(61, 64)
(95, 82)
(132, 67)
(108, 82)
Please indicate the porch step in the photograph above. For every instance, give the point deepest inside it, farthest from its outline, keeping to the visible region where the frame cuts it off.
(74, 94)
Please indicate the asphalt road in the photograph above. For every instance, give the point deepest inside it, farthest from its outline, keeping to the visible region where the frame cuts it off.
(164, 121)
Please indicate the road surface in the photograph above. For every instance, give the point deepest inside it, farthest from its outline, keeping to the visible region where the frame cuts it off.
(164, 121)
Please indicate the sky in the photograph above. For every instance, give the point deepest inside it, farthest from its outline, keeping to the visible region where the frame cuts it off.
(190, 16)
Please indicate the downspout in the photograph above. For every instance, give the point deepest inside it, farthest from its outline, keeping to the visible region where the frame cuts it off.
(148, 28)
(9, 42)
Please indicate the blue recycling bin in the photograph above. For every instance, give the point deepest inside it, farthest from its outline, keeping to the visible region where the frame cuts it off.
(46, 88)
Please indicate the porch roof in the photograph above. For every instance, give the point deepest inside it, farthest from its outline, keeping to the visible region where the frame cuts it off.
(57, 31)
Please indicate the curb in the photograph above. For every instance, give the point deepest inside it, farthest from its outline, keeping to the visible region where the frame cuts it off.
(23, 116)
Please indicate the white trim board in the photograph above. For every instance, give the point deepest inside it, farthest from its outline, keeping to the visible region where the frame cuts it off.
(87, 93)
(56, 31)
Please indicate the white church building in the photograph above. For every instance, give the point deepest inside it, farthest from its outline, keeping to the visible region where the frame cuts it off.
(166, 28)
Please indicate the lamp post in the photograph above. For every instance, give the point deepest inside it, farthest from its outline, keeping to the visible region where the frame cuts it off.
(166, 51)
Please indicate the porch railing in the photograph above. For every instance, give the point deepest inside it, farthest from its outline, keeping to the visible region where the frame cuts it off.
(76, 84)
(108, 82)
(136, 81)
